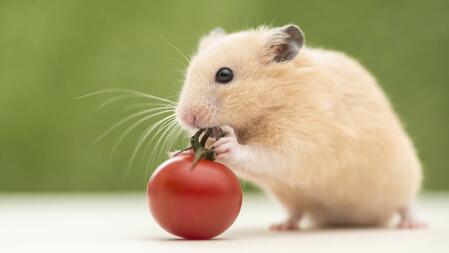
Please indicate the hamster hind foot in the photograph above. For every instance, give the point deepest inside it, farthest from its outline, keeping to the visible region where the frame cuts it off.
(408, 221)
(291, 224)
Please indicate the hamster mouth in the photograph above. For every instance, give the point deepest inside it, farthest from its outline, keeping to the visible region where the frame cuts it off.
(216, 131)
(194, 126)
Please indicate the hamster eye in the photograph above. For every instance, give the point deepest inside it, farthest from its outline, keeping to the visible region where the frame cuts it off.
(224, 75)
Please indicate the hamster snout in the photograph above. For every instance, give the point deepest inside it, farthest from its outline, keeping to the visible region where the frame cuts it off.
(195, 116)
(190, 119)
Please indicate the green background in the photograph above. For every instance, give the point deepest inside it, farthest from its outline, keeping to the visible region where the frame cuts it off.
(52, 51)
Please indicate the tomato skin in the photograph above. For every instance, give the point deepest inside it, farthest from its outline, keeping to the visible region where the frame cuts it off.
(194, 204)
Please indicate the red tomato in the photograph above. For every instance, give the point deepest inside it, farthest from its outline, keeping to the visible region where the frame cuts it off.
(194, 204)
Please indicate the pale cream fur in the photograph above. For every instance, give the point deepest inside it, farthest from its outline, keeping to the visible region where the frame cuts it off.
(316, 131)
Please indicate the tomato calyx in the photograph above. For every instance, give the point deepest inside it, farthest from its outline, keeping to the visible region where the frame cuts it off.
(198, 144)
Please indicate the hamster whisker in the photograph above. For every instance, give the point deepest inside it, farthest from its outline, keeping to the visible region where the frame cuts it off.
(164, 133)
(152, 158)
(194, 31)
(175, 139)
(134, 115)
(114, 99)
(183, 64)
(129, 91)
(169, 139)
(130, 128)
(144, 135)
(122, 97)
(149, 105)
(142, 139)
(176, 49)
(161, 128)
(166, 145)
(162, 137)
(181, 72)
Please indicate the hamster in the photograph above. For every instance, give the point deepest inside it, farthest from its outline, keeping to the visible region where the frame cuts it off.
(310, 126)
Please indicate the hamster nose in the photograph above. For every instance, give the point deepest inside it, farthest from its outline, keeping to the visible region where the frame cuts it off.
(190, 119)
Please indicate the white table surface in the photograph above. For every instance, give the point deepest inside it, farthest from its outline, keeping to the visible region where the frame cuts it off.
(121, 223)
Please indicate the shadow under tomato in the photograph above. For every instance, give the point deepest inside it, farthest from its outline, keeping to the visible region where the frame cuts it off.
(178, 239)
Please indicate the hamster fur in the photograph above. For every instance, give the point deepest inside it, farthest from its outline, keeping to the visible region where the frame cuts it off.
(310, 126)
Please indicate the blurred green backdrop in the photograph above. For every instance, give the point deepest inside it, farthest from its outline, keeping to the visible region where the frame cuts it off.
(52, 51)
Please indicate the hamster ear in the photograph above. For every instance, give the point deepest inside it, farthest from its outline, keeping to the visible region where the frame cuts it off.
(216, 33)
(284, 43)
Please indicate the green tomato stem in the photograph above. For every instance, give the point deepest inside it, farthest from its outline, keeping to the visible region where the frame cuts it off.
(198, 144)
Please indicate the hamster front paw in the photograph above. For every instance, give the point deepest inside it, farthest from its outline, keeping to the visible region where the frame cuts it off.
(227, 149)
